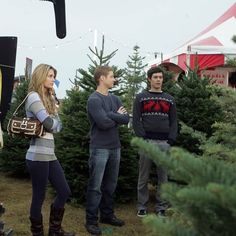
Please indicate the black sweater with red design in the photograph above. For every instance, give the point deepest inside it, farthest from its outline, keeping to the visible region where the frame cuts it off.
(154, 116)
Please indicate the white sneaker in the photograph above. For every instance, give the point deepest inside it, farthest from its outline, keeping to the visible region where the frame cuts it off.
(142, 213)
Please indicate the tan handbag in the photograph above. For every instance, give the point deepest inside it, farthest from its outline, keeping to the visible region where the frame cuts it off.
(24, 126)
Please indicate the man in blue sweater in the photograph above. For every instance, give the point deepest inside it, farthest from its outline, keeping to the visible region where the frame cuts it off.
(105, 112)
(154, 119)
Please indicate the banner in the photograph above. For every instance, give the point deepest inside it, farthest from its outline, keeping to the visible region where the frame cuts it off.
(217, 76)
(28, 68)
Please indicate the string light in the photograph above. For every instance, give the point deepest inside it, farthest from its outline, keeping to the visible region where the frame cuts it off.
(81, 37)
(56, 46)
(125, 45)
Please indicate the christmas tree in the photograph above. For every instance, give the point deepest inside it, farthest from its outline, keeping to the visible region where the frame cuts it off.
(72, 143)
(134, 78)
(231, 61)
(195, 107)
(234, 38)
(221, 145)
(84, 78)
(205, 205)
(197, 110)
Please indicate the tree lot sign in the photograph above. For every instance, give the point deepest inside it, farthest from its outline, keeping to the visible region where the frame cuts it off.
(217, 76)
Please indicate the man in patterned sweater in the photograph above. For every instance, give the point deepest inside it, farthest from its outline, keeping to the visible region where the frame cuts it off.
(154, 119)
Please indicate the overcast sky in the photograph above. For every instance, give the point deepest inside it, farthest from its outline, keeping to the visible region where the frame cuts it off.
(154, 25)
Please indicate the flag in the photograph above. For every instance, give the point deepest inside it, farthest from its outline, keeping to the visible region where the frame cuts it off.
(56, 82)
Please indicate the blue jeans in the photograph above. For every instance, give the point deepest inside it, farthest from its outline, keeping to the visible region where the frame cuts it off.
(41, 172)
(103, 170)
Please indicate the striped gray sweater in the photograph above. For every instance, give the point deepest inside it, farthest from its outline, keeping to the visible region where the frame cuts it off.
(42, 149)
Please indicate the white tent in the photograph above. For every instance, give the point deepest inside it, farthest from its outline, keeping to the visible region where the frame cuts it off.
(208, 49)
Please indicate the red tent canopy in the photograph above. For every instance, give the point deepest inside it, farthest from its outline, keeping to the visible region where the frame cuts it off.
(210, 48)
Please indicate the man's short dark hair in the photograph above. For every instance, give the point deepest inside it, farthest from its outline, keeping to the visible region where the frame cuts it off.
(101, 71)
(153, 70)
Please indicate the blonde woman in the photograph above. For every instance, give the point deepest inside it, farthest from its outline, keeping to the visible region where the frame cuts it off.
(41, 161)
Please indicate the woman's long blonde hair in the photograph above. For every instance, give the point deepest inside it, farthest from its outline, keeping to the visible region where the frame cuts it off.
(36, 84)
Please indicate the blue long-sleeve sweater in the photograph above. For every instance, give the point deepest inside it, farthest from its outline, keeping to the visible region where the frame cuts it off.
(104, 120)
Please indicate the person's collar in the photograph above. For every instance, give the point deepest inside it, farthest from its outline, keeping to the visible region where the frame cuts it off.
(150, 91)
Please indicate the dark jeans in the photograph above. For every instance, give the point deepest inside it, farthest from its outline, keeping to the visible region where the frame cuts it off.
(103, 170)
(41, 172)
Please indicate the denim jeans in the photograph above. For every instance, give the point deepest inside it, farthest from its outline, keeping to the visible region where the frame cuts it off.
(41, 172)
(144, 171)
(103, 170)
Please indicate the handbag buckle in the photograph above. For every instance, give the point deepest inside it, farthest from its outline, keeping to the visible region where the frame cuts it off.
(23, 125)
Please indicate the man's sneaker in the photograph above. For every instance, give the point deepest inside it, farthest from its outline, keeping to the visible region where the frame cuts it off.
(161, 213)
(142, 213)
(93, 229)
(112, 221)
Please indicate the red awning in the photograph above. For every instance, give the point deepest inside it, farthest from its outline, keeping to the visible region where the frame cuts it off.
(206, 61)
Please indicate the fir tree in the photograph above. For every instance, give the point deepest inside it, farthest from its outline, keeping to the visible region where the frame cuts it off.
(196, 109)
(84, 78)
(134, 78)
(195, 106)
(221, 145)
(234, 38)
(12, 156)
(231, 61)
(205, 205)
(72, 144)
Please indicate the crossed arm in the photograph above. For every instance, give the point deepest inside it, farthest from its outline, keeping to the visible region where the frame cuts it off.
(105, 120)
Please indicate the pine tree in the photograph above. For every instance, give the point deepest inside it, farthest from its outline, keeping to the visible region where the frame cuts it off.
(12, 156)
(84, 78)
(72, 144)
(205, 205)
(234, 38)
(134, 78)
(196, 109)
(221, 145)
(195, 106)
(231, 61)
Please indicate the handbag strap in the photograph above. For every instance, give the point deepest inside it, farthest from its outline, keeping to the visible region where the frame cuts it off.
(15, 112)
